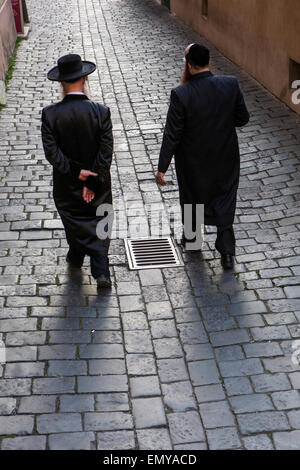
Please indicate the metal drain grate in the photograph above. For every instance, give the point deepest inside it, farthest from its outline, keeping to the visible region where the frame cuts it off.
(147, 253)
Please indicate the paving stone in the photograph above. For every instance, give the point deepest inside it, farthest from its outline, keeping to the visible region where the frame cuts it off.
(295, 379)
(107, 383)
(154, 293)
(151, 277)
(15, 387)
(116, 420)
(270, 382)
(251, 403)
(246, 308)
(238, 385)
(240, 368)
(140, 364)
(101, 351)
(265, 421)
(167, 348)
(60, 351)
(77, 403)
(259, 442)
(159, 310)
(112, 402)
(292, 292)
(24, 443)
(52, 386)
(216, 414)
(25, 338)
(144, 386)
(138, 341)
(191, 333)
(270, 333)
(7, 405)
(203, 372)
(229, 353)
(37, 404)
(134, 321)
(163, 329)
(126, 288)
(198, 351)
(72, 441)
(66, 368)
(131, 303)
(229, 337)
(74, 336)
(280, 364)
(262, 349)
(185, 427)
(172, 370)
(185, 315)
(217, 319)
(107, 366)
(58, 422)
(284, 305)
(286, 400)
(16, 425)
(287, 440)
(20, 324)
(223, 439)
(154, 439)
(208, 393)
(117, 440)
(294, 418)
(178, 396)
(25, 369)
(148, 420)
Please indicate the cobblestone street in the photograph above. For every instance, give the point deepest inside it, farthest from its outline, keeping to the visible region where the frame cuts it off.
(184, 358)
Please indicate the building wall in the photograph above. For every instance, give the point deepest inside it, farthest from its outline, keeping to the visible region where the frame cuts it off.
(261, 36)
(8, 35)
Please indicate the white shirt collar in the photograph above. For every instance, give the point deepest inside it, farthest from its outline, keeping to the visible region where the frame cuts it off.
(75, 93)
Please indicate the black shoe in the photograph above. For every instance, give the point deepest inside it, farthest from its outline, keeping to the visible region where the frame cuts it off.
(227, 261)
(103, 282)
(76, 264)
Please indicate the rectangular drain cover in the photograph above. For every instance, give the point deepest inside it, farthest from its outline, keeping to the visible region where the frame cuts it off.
(147, 253)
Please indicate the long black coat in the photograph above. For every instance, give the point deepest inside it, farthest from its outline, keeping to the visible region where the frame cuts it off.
(75, 132)
(200, 132)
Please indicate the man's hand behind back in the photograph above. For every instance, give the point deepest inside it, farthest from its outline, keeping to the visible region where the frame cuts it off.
(84, 174)
(87, 194)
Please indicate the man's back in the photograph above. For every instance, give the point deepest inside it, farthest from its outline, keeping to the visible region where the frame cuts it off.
(200, 132)
(76, 125)
(211, 113)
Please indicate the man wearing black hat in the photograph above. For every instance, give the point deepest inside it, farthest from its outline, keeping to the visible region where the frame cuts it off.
(78, 142)
(200, 131)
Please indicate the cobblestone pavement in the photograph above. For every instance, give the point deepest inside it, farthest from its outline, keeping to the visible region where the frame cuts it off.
(187, 358)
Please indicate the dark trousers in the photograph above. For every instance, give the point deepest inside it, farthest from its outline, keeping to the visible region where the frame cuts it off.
(98, 259)
(225, 242)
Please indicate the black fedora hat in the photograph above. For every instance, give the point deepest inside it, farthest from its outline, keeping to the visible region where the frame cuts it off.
(70, 67)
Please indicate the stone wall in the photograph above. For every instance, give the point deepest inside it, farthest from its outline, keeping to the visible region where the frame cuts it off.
(8, 36)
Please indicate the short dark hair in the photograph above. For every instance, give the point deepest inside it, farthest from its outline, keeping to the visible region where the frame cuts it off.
(198, 55)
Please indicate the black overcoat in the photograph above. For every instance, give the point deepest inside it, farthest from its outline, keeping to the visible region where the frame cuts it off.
(200, 132)
(75, 133)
